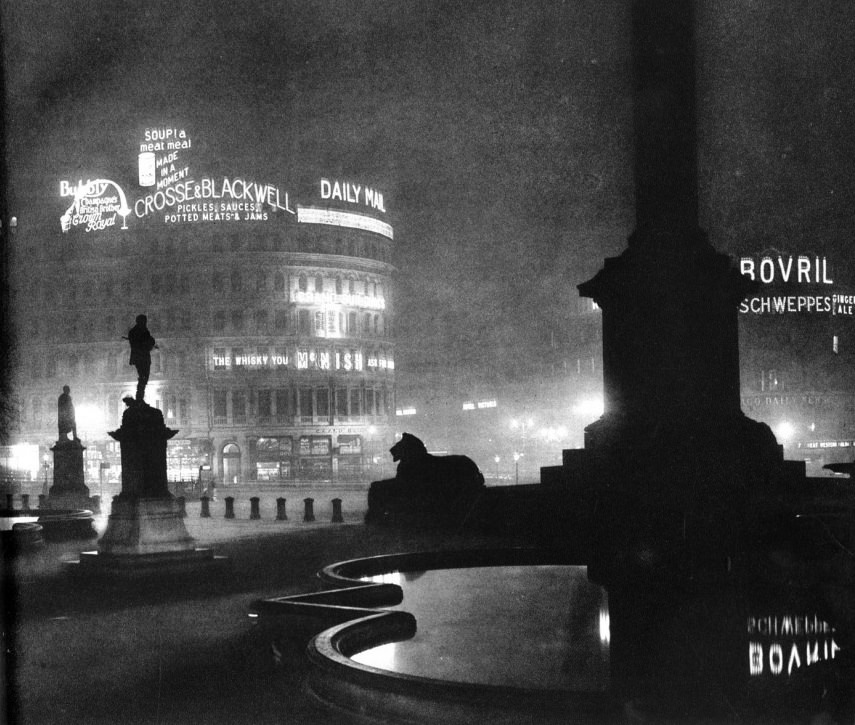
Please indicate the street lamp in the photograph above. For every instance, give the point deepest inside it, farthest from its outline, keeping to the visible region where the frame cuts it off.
(517, 457)
(46, 465)
(497, 459)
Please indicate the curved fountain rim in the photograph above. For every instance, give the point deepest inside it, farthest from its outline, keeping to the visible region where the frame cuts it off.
(331, 653)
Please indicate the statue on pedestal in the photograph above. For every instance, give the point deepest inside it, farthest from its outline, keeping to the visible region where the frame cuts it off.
(65, 415)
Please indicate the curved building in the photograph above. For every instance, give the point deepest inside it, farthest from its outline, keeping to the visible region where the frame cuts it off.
(273, 319)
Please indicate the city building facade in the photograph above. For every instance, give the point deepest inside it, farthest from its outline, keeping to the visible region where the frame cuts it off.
(273, 318)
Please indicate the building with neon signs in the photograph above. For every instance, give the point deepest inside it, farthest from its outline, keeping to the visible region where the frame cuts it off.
(272, 314)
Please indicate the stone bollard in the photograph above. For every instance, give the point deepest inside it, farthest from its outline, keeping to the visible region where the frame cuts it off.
(309, 514)
(182, 506)
(10, 501)
(206, 508)
(230, 507)
(95, 504)
(25, 501)
(42, 501)
(336, 511)
(253, 508)
(280, 510)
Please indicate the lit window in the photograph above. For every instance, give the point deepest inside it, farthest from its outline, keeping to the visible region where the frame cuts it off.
(303, 283)
(319, 283)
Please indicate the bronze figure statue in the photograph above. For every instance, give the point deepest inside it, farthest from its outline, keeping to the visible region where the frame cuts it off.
(142, 343)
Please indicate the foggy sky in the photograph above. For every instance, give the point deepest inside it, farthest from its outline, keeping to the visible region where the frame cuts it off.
(499, 132)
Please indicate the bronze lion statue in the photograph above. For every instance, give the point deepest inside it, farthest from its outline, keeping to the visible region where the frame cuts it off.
(427, 490)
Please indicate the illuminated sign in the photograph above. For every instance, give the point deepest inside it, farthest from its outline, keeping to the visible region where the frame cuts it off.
(352, 193)
(306, 359)
(405, 411)
(800, 269)
(210, 200)
(778, 645)
(97, 203)
(159, 157)
(311, 215)
(793, 270)
(326, 298)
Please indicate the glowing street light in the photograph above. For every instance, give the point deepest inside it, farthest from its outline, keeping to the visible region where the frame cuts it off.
(517, 457)
(785, 431)
(497, 459)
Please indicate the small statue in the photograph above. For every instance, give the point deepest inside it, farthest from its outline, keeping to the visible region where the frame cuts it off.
(142, 343)
(65, 415)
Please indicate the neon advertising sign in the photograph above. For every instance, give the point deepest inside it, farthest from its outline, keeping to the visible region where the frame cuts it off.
(799, 270)
(97, 203)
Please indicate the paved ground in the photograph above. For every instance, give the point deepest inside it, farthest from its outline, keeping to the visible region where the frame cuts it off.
(166, 651)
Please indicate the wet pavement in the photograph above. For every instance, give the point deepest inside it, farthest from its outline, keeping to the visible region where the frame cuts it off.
(167, 650)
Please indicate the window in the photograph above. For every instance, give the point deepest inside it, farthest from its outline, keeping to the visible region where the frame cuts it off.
(303, 283)
(261, 281)
(220, 398)
(279, 282)
(355, 401)
(319, 283)
(264, 405)
(184, 410)
(261, 320)
(303, 321)
(237, 320)
(351, 323)
(376, 324)
(366, 325)
(351, 286)
(369, 401)
(238, 407)
(323, 402)
(306, 406)
(282, 405)
(219, 321)
(281, 321)
(341, 402)
(338, 285)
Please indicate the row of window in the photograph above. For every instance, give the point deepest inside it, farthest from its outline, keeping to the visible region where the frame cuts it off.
(321, 405)
(58, 292)
(110, 366)
(168, 323)
(40, 411)
(355, 244)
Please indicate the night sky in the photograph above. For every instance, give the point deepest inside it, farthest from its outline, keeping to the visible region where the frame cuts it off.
(500, 132)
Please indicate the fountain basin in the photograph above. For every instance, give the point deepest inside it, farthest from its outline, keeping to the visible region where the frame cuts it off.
(451, 657)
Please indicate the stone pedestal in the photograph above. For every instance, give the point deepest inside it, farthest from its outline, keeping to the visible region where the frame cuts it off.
(145, 531)
(68, 490)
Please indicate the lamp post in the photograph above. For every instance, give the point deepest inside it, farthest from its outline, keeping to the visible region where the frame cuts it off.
(46, 466)
(497, 459)
(517, 457)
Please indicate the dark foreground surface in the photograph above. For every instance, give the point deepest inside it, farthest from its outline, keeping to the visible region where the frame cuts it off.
(173, 650)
